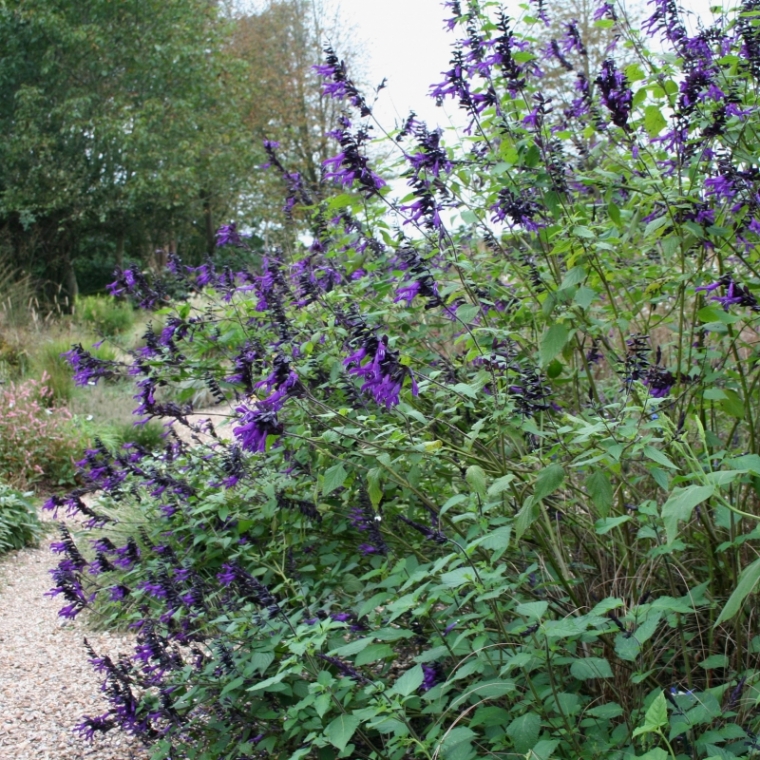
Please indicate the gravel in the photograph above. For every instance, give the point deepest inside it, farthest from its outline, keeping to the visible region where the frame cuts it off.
(47, 684)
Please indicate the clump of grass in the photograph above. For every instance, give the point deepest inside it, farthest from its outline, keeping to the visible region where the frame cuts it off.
(48, 360)
(105, 315)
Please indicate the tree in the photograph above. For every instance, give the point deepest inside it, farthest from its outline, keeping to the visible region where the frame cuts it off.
(281, 43)
(118, 123)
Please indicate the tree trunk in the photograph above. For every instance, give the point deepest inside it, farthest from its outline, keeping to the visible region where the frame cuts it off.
(120, 251)
(209, 223)
(70, 285)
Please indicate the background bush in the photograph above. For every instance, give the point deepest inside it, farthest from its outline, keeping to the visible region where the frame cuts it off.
(19, 524)
(104, 315)
(37, 438)
(491, 480)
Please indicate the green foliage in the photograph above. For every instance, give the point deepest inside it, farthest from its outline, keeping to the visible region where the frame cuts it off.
(49, 362)
(19, 524)
(104, 315)
(483, 473)
(110, 143)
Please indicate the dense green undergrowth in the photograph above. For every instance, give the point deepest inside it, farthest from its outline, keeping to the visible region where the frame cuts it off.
(490, 482)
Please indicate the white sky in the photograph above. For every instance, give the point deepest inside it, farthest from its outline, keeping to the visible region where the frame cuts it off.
(405, 42)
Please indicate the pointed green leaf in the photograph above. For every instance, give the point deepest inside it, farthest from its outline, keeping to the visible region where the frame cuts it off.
(524, 732)
(409, 681)
(600, 490)
(680, 505)
(340, 731)
(548, 481)
(591, 667)
(476, 479)
(334, 478)
(553, 342)
(747, 582)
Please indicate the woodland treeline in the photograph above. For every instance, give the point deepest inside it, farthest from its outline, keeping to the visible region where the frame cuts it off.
(129, 130)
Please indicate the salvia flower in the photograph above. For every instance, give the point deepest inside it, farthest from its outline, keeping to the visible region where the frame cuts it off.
(337, 83)
(616, 94)
(432, 676)
(227, 234)
(520, 212)
(383, 373)
(351, 165)
(423, 283)
(88, 369)
(636, 358)
(734, 294)
(365, 519)
(432, 534)
(660, 381)
(344, 668)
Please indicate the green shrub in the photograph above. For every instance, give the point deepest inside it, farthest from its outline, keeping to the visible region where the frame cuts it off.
(19, 523)
(38, 440)
(105, 315)
(48, 361)
(493, 488)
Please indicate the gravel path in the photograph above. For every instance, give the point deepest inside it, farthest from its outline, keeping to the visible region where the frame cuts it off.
(46, 681)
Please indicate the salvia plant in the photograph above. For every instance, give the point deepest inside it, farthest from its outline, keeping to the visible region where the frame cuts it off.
(483, 479)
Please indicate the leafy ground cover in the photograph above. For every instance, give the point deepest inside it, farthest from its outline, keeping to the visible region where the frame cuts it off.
(492, 486)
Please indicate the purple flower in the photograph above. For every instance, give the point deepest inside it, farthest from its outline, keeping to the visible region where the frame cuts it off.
(87, 368)
(351, 165)
(616, 95)
(89, 726)
(228, 235)
(337, 83)
(365, 519)
(432, 676)
(519, 211)
(735, 294)
(383, 374)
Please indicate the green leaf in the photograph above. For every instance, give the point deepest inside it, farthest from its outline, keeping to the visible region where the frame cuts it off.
(458, 577)
(501, 484)
(340, 731)
(374, 489)
(373, 653)
(657, 714)
(334, 477)
(467, 312)
(733, 404)
(532, 610)
(657, 456)
(680, 506)
(747, 582)
(600, 490)
(574, 277)
(497, 539)
(714, 661)
(457, 744)
(525, 517)
(654, 754)
(544, 749)
(553, 342)
(524, 732)
(409, 681)
(548, 481)
(476, 479)
(591, 667)
(654, 121)
(605, 526)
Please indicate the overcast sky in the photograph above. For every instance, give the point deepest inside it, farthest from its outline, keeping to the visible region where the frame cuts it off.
(406, 43)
